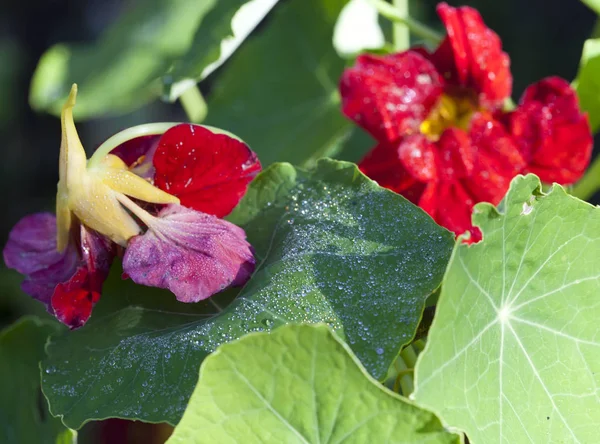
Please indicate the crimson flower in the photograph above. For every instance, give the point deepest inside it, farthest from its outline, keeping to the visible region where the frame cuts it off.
(159, 198)
(443, 139)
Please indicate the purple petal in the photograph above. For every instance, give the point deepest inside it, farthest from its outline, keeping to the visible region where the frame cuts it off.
(138, 154)
(193, 254)
(31, 250)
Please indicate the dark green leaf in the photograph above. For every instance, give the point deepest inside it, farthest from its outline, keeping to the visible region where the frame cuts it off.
(332, 247)
(279, 92)
(24, 416)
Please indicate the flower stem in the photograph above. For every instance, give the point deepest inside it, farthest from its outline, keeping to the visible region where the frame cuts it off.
(404, 378)
(110, 144)
(194, 104)
(590, 183)
(214, 304)
(419, 29)
(401, 31)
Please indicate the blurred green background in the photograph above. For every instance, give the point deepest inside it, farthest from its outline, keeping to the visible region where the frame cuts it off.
(542, 37)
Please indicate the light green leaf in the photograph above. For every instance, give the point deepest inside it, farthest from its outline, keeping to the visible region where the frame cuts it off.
(332, 247)
(233, 18)
(24, 416)
(513, 354)
(279, 92)
(298, 384)
(594, 5)
(587, 83)
(122, 70)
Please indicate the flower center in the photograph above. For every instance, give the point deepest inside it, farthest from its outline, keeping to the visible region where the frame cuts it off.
(450, 111)
(96, 191)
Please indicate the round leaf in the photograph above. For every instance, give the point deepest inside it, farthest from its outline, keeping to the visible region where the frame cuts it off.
(299, 384)
(331, 246)
(513, 354)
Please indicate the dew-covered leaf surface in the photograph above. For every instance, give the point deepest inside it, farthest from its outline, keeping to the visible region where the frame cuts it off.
(513, 354)
(24, 416)
(279, 91)
(299, 384)
(331, 247)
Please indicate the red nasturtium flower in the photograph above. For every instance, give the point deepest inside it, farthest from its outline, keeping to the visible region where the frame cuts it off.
(444, 141)
(160, 197)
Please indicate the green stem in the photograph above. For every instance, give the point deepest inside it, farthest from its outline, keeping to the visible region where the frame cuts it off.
(590, 183)
(404, 378)
(409, 356)
(194, 105)
(401, 31)
(147, 129)
(420, 30)
(214, 304)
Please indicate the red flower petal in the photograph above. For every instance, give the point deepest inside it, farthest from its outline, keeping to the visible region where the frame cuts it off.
(193, 254)
(209, 172)
(59, 280)
(132, 150)
(383, 165)
(390, 96)
(498, 160)
(419, 157)
(471, 56)
(450, 205)
(554, 136)
(456, 154)
(74, 299)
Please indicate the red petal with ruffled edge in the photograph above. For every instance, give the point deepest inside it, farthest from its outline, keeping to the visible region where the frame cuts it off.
(193, 254)
(498, 160)
(554, 136)
(390, 96)
(384, 165)
(471, 56)
(450, 205)
(68, 283)
(208, 172)
(74, 299)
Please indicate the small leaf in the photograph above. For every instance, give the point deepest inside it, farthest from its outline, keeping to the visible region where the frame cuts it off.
(587, 83)
(513, 354)
(24, 416)
(279, 92)
(298, 384)
(331, 246)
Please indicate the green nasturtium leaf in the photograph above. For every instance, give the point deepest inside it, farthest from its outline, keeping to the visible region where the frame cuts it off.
(122, 70)
(24, 416)
(513, 354)
(209, 49)
(298, 384)
(587, 83)
(279, 92)
(332, 247)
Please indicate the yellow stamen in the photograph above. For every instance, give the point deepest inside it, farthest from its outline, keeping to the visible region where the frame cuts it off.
(449, 112)
(92, 194)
